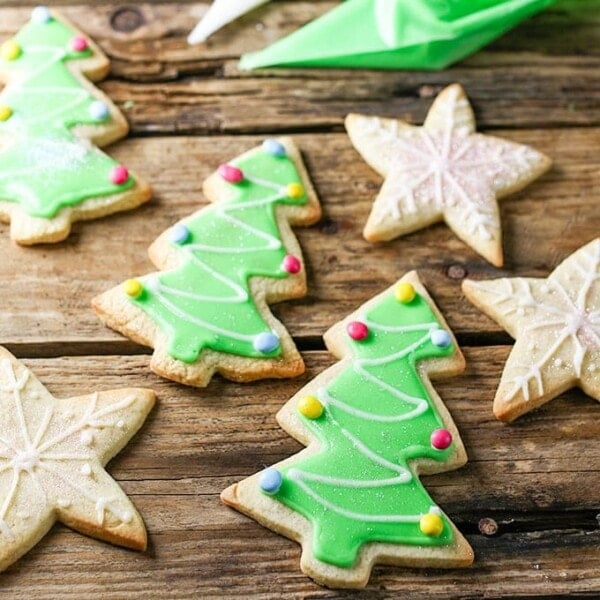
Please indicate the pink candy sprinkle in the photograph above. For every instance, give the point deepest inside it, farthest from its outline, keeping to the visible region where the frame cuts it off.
(291, 264)
(441, 439)
(119, 175)
(357, 331)
(230, 173)
(79, 43)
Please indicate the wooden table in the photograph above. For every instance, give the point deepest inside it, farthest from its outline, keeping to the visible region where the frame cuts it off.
(529, 498)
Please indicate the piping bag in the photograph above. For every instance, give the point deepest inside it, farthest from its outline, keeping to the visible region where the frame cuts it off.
(396, 34)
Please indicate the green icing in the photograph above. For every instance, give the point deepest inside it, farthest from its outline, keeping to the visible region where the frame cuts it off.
(395, 34)
(206, 302)
(358, 444)
(43, 166)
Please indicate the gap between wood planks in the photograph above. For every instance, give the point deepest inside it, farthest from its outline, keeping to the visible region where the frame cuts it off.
(57, 348)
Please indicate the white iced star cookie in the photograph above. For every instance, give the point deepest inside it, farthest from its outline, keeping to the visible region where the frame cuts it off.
(443, 170)
(52, 453)
(556, 325)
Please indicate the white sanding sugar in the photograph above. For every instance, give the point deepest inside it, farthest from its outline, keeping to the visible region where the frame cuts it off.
(56, 155)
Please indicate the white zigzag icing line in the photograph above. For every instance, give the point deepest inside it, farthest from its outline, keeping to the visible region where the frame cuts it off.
(15, 89)
(567, 321)
(327, 400)
(223, 210)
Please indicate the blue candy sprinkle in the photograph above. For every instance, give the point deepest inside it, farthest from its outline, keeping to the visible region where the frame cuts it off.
(266, 342)
(98, 110)
(270, 481)
(41, 15)
(180, 234)
(440, 338)
(274, 147)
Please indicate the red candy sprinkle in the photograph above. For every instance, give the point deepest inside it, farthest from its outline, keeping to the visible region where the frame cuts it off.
(357, 331)
(291, 264)
(119, 175)
(79, 43)
(231, 174)
(441, 439)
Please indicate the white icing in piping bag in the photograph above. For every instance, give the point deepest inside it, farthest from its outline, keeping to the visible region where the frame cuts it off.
(220, 14)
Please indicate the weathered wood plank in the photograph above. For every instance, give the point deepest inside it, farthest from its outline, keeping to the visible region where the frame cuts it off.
(208, 438)
(196, 442)
(539, 478)
(542, 225)
(517, 82)
(242, 559)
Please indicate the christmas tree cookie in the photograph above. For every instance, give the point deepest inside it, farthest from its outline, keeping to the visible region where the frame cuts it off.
(208, 309)
(556, 325)
(372, 423)
(52, 457)
(51, 118)
(443, 170)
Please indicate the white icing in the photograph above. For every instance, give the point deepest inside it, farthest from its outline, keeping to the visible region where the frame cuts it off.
(402, 475)
(238, 295)
(126, 516)
(388, 27)
(560, 314)
(453, 172)
(36, 445)
(11, 92)
(220, 14)
(87, 437)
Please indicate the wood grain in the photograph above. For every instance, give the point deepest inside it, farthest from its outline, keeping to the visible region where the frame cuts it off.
(527, 477)
(511, 85)
(537, 481)
(542, 226)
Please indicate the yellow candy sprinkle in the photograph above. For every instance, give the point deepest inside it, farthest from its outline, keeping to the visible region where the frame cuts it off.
(133, 288)
(431, 524)
(295, 190)
(5, 112)
(310, 407)
(405, 293)
(10, 50)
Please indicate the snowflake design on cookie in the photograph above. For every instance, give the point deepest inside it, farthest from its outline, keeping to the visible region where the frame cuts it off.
(52, 453)
(556, 322)
(443, 170)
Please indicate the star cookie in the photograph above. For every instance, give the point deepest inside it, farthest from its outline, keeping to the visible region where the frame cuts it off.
(556, 325)
(52, 453)
(443, 170)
